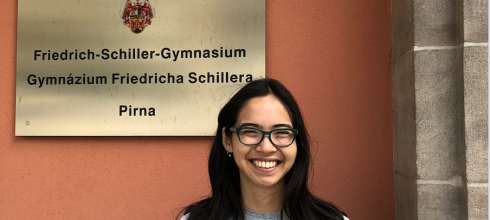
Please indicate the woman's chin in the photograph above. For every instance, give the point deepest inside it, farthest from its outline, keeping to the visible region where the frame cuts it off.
(267, 182)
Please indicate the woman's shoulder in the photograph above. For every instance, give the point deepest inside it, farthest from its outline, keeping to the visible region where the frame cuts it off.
(184, 217)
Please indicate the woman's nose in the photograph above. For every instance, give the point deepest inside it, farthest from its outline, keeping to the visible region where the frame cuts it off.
(266, 145)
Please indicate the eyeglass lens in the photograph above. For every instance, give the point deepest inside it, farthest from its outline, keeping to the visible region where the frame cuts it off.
(278, 137)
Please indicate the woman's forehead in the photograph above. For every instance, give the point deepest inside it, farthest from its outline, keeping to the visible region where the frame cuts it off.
(265, 111)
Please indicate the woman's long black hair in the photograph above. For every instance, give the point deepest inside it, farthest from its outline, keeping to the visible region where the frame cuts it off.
(226, 197)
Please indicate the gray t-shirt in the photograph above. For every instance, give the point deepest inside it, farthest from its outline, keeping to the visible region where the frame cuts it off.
(253, 215)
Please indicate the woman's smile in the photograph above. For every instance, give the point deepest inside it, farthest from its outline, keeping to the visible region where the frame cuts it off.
(265, 164)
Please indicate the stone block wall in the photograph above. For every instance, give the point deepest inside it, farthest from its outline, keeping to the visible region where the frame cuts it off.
(440, 109)
(404, 128)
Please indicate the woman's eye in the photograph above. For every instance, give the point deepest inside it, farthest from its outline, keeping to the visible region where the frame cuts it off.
(282, 133)
(250, 132)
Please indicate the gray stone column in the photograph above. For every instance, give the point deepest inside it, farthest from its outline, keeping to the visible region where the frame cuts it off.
(473, 39)
(404, 154)
(440, 110)
(440, 186)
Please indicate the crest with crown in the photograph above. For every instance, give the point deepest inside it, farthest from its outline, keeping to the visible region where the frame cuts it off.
(137, 15)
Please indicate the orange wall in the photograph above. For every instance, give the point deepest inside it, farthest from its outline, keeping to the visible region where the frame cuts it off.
(333, 55)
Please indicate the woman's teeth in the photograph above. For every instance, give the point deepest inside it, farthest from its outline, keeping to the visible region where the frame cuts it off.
(265, 164)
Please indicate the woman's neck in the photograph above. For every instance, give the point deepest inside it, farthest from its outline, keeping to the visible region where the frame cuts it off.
(262, 199)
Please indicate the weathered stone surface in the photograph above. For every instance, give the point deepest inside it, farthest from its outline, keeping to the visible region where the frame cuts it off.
(402, 28)
(460, 21)
(438, 116)
(405, 197)
(439, 202)
(404, 116)
(477, 203)
(476, 113)
(435, 23)
(404, 138)
(475, 21)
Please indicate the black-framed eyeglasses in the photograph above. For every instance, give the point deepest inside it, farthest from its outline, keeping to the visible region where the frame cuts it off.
(281, 137)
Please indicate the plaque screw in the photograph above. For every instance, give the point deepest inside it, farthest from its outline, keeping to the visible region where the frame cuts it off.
(28, 123)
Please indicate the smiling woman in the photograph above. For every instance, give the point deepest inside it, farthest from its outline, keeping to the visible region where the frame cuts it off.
(259, 161)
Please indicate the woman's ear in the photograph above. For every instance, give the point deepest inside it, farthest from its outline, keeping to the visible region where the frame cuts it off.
(226, 141)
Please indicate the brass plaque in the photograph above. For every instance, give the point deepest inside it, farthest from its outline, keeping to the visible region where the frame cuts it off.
(133, 68)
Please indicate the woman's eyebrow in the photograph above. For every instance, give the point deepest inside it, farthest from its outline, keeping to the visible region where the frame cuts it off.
(249, 125)
(281, 125)
(258, 126)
